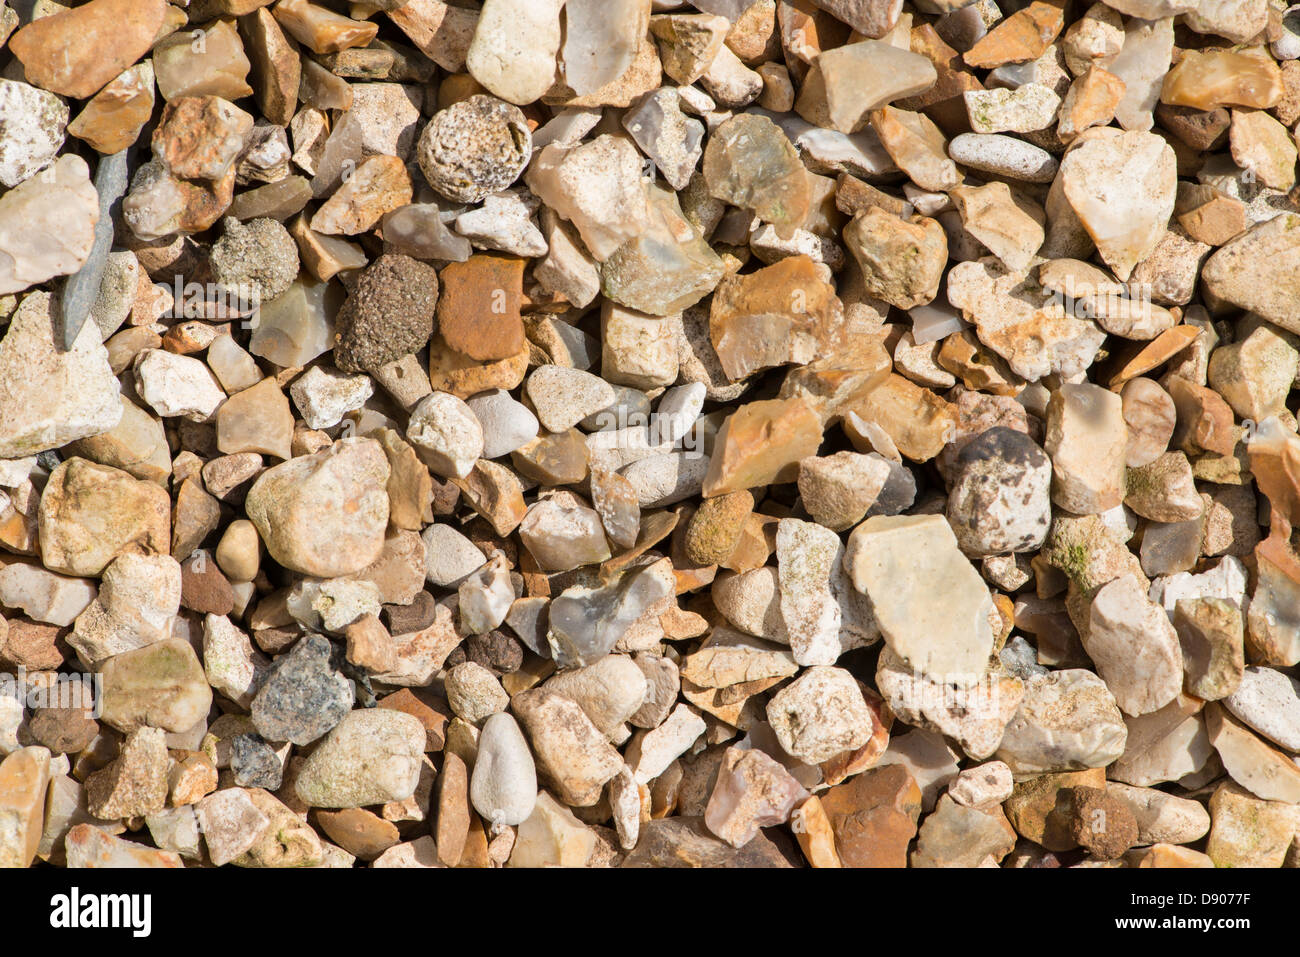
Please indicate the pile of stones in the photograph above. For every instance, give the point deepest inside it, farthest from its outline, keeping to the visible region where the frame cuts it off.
(761, 433)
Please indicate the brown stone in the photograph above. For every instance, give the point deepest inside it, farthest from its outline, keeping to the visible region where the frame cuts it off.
(433, 718)
(1141, 358)
(1099, 822)
(453, 371)
(33, 645)
(277, 68)
(370, 646)
(76, 52)
(359, 832)
(1205, 420)
(782, 313)
(478, 312)
(874, 816)
(452, 827)
(63, 730)
(553, 459)
(714, 530)
(197, 514)
(204, 588)
(1032, 807)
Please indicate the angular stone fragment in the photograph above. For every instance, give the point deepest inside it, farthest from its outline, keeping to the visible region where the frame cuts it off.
(24, 775)
(573, 755)
(1134, 647)
(289, 504)
(902, 261)
(897, 562)
(1100, 181)
(1246, 831)
(1086, 439)
(1210, 631)
(371, 757)
(846, 83)
(1024, 35)
(1068, 720)
(1254, 764)
(761, 443)
(750, 163)
(957, 836)
(752, 791)
(76, 51)
(874, 816)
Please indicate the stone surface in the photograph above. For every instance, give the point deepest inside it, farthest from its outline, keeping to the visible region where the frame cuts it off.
(889, 559)
(288, 504)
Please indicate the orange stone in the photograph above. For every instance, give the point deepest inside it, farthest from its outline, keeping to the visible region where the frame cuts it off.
(780, 314)
(874, 816)
(919, 422)
(76, 52)
(361, 833)
(812, 829)
(1145, 356)
(1275, 463)
(1205, 420)
(1023, 36)
(1091, 101)
(478, 311)
(113, 118)
(1205, 79)
(761, 444)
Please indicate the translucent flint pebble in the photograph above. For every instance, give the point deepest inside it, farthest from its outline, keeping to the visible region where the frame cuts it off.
(933, 322)
(298, 325)
(586, 623)
(418, 230)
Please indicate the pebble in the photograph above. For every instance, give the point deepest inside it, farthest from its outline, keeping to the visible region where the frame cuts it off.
(1068, 720)
(752, 791)
(1000, 498)
(982, 787)
(718, 503)
(175, 385)
(370, 757)
(290, 505)
(503, 785)
(610, 692)
(564, 397)
(76, 51)
(33, 130)
(507, 425)
(388, 313)
(572, 755)
(301, 696)
(888, 558)
(1003, 155)
(1134, 646)
(474, 693)
(446, 434)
